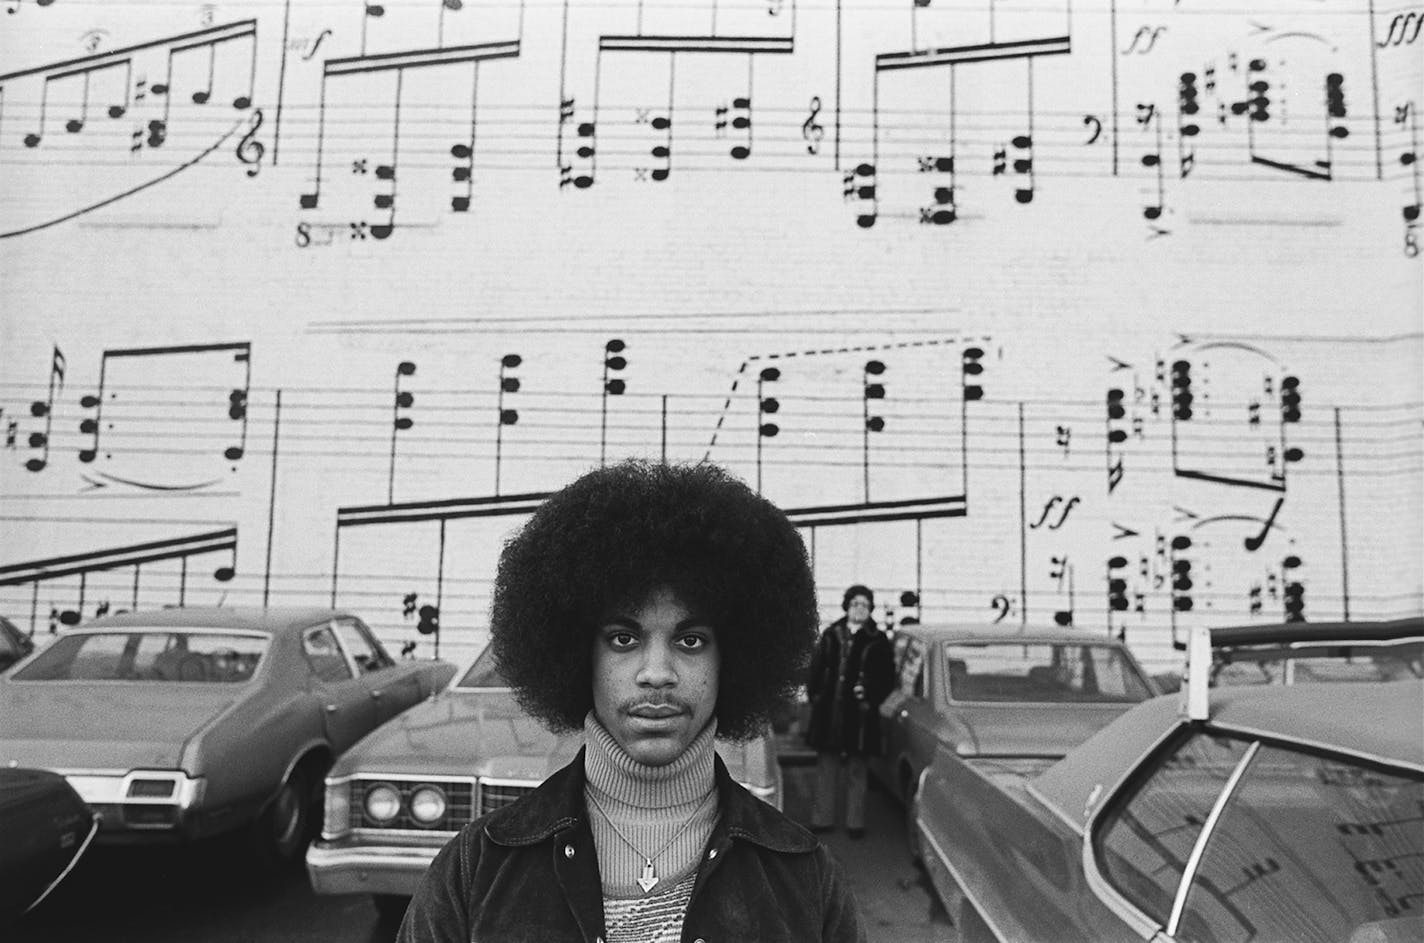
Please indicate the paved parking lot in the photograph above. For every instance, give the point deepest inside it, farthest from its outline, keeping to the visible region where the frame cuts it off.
(205, 894)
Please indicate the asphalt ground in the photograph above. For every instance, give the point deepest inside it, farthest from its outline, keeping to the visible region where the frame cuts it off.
(208, 892)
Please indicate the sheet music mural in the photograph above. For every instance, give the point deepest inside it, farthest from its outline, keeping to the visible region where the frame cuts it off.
(1104, 315)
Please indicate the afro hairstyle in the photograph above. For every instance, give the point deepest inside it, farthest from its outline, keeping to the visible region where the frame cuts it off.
(619, 532)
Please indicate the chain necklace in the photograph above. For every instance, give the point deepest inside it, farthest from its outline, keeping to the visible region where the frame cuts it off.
(649, 878)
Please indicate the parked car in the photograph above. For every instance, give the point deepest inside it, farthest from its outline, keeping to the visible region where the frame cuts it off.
(46, 828)
(1015, 700)
(1301, 652)
(184, 723)
(14, 644)
(1276, 814)
(400, 794)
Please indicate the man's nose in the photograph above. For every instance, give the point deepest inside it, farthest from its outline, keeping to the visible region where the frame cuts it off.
(657, 668)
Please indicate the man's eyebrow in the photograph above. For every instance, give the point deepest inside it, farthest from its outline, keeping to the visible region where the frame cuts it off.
(628, 622)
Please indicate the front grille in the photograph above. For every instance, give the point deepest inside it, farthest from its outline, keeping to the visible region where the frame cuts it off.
(496, 794)
(459, 804)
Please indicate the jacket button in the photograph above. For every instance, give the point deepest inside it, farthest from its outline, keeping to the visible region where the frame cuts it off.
(712, 854)
(568, 851)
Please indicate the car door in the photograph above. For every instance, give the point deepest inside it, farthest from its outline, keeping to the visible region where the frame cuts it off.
(347, 708)
(391, 687)
(912, 728)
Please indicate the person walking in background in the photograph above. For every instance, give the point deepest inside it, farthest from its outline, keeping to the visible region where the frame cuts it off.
(852, 671)
(653, 607)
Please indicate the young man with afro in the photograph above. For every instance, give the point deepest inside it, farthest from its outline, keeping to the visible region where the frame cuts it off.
(654, 607)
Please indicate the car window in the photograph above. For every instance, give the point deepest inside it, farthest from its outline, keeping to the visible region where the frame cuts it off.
(1309, 848)
(483, 673)
(912, 669)
(364, 649)
(1144, 840)
(1246, 666)
(8, 645)
(324, 655)
(156, 655)
(1043, 672)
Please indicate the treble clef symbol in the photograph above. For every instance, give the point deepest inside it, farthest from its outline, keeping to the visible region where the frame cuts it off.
(249, 149)
(811, 129)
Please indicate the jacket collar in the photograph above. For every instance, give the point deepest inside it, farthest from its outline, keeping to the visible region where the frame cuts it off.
(558, 805)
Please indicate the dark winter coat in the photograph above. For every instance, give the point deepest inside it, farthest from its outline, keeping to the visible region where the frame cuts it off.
(528, 873)
(855, 727)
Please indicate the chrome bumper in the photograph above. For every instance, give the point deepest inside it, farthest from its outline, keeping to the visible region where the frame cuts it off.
(367, 869)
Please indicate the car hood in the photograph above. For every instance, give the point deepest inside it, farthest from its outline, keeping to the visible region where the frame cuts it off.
(463, 733)
(123, 725)
(1049, 730)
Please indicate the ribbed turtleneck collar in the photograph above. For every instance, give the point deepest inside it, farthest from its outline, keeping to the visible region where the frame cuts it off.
(614, 773)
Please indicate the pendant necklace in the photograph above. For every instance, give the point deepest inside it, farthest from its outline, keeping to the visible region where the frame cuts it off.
(649, 878)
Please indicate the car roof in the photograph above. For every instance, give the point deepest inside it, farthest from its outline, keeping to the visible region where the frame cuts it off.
(247, 618)
(1307, 632)
(1339, 716)
(990, 632)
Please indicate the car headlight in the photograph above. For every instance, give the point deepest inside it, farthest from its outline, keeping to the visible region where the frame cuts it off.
(427, 804)
(336, 813)
(383, 803)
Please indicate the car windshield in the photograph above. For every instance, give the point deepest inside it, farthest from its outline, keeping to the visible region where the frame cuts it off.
(483, 673)
(1400, 661)
(1043, 672)
(148, 655)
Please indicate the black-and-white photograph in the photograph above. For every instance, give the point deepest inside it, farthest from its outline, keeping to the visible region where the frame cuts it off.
(703, 471)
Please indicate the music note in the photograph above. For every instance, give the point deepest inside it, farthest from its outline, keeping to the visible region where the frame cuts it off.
(403, 400)
(1023, 166)
(201, 96)
(1153, 161)
(663, 151)
(971, 367)
(75, 125)
(742, 121)
(942, 211)
(40, 440)
(860, 186)
(93, 426)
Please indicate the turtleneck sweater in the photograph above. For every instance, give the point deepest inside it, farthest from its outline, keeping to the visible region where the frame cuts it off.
(653, 806)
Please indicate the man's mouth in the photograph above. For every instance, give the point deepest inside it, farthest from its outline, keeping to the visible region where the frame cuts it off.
(654, 711)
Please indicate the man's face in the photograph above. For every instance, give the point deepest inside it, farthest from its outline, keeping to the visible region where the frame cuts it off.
(858, 610)
(655, 671)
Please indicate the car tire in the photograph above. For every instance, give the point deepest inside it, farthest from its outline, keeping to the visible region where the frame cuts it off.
(280, 834)
(390, 908)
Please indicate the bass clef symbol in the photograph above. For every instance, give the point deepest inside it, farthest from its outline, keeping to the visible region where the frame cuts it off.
(250, 150)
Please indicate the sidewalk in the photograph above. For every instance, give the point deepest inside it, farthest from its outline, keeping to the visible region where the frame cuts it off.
(895, 897)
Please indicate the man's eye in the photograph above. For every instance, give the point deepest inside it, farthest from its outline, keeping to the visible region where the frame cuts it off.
(621, 640)
(692, 642)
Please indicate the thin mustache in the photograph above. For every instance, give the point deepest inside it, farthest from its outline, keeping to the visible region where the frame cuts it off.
(663, 701)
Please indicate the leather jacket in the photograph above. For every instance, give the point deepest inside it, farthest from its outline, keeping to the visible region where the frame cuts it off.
(529, 872)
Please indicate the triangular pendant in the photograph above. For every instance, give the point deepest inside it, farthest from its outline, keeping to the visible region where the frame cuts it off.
(649, 880)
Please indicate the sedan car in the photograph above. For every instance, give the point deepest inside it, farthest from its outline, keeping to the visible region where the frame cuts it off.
(400, 794)
(14, 644)
(184, 723)
(1012, 699)
(46, 827)
(1272, 813)
(1302, 653)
